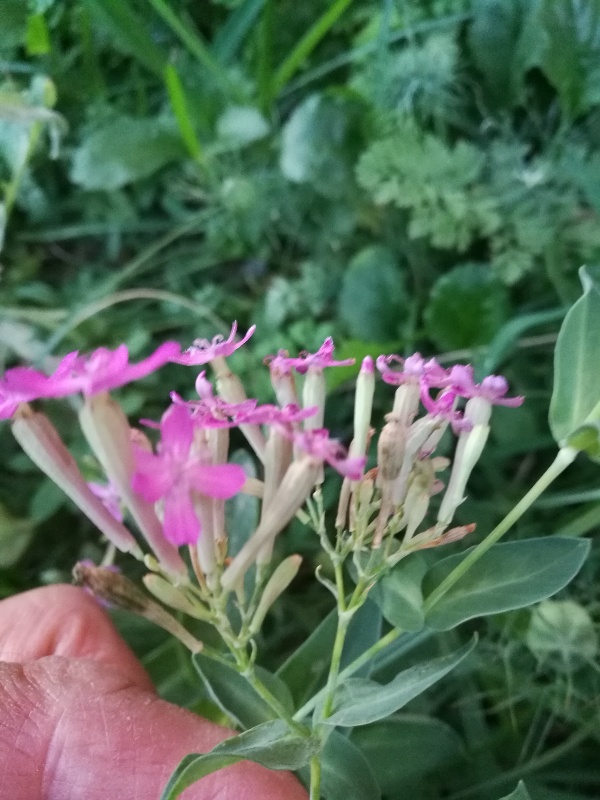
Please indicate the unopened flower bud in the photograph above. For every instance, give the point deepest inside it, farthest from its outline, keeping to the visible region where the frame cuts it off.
(363, 405)
(42, 443)
(313, 395)
(231, 390)
(119, 591)
(175, 597)
(406, 402)
(290, 497)
(276, 585)
(107, 431)
(390, 449)
(468, 451)
(278, 457)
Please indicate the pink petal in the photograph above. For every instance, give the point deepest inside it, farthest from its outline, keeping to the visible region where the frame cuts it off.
(217, 480)
(177, 431)
(180, 525)
(152, 479)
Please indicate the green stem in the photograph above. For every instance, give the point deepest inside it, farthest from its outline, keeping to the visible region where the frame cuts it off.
(344, 618)
(308, 43)
(564, 457)
(370, 653)
(192, 40)
(265, 52)
(315, 777)
(273, 702)
(12, 189)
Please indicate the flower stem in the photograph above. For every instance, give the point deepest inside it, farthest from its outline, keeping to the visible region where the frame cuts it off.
(315, 777)
(273, 702)
(564, 457)
(353, 667)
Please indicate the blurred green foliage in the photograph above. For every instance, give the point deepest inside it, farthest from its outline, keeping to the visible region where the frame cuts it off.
(401, 174)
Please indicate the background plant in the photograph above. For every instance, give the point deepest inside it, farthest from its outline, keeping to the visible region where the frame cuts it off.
(292, 158)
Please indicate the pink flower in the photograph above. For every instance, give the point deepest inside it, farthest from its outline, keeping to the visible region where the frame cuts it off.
(274, 415)
(492, 388)
(177, 471)
(316, 443)
(443, 406)
(211, 411)
(282, 363)
(202, 350)
(20, 385)
(99, 372)
(414, 370)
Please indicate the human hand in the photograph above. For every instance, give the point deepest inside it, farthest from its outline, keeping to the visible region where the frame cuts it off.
(79, 717)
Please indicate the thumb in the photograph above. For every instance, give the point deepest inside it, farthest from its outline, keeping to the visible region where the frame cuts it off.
(78, 717)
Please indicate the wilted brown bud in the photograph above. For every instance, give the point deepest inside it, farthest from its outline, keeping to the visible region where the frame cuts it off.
(117, 590)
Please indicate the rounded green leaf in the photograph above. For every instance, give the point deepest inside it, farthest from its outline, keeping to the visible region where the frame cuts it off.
(373, 303)
(562, 633)
(467, 307)
(508, 576)
(125, 150)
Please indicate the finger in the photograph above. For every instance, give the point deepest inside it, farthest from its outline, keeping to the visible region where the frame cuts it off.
(64, 620)
(72, 728)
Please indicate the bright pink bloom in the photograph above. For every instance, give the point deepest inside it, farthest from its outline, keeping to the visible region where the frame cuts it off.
(414, 370)
(274, 415)
(492, 388)
(214, 412)
(316, 443)
(319, 360)
(177, 471)
(211, 411)
(20, 385)
(202, 350)
(443, 406)
(99, 372)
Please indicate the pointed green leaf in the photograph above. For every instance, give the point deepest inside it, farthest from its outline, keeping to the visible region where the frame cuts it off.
(508, 576)
(570, 30)
(520, 793)
(235, 696)
(305, 671)
(128, 32)
(270, 744)
(467, 307)
(576, 394)
(502, 44)
(359, 701)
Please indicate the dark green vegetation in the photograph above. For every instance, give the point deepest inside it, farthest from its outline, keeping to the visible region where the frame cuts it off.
(416, 175)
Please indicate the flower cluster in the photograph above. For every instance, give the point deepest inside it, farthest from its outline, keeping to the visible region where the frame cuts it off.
(175, 490)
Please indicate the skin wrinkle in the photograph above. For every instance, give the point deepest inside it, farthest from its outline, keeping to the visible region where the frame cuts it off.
(91, 727)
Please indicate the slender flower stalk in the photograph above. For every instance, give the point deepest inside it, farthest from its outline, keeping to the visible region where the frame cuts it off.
(293, 491)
